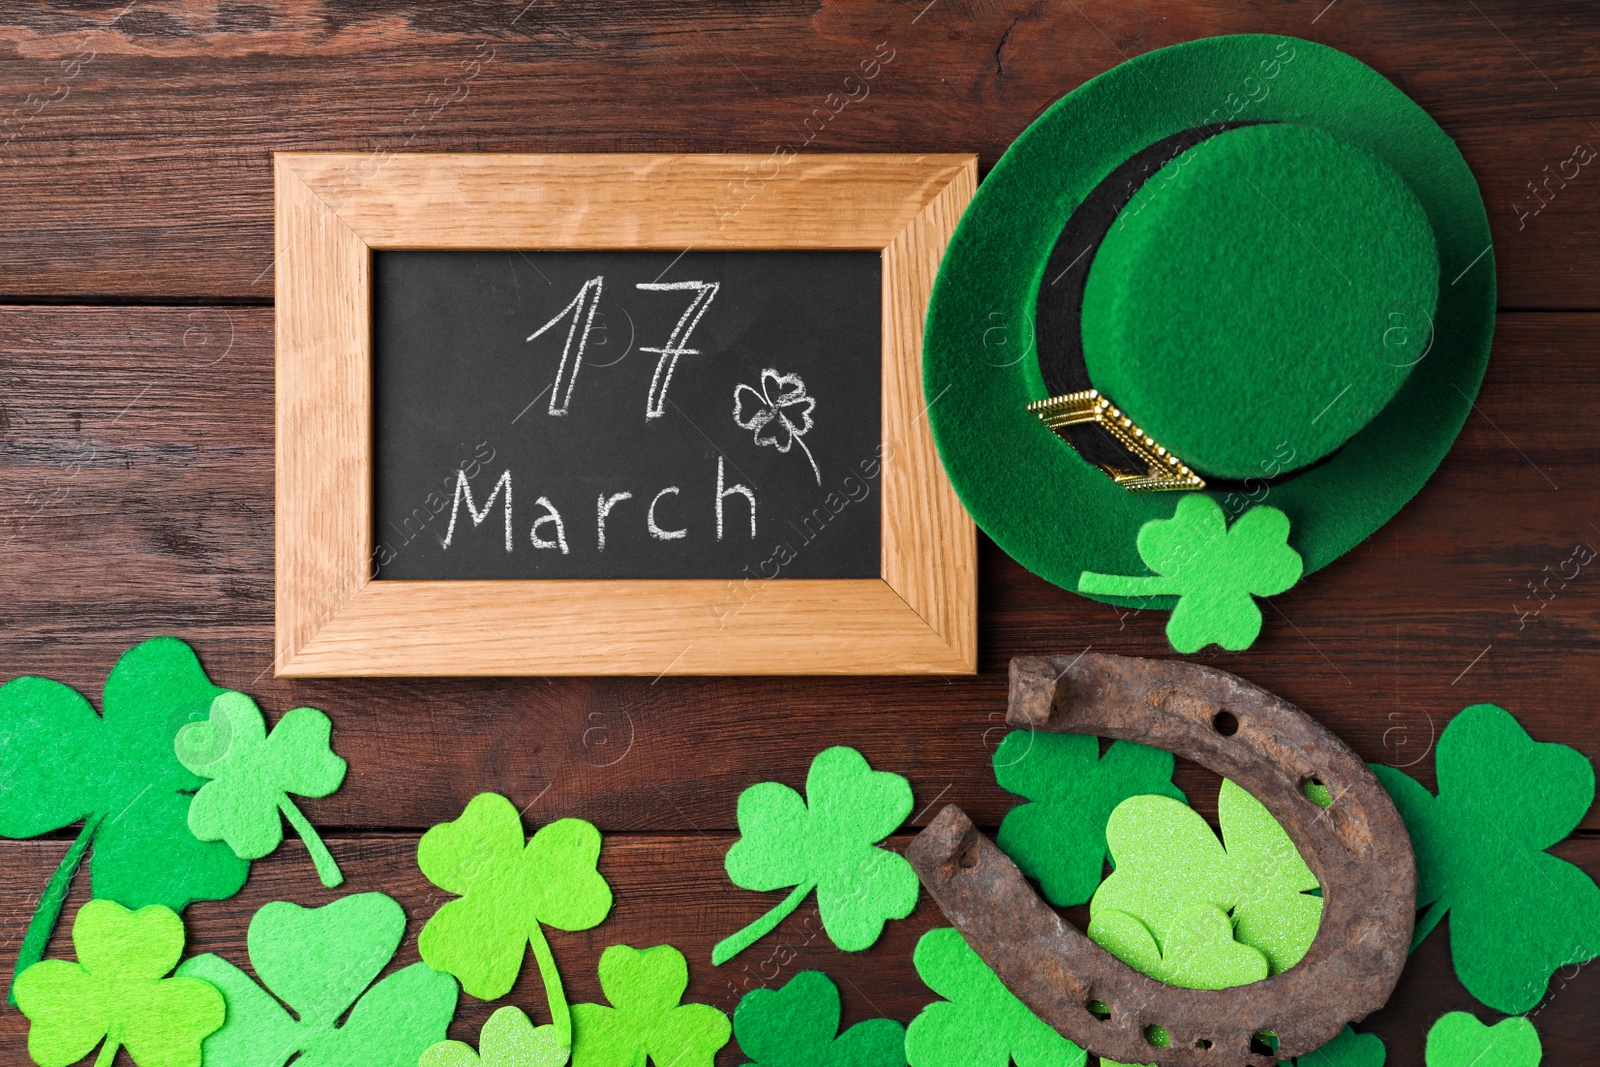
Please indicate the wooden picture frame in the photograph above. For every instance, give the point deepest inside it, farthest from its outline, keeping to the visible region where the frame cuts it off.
(334, 619)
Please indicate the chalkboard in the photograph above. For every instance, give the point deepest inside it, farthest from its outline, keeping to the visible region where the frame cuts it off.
(626, 414)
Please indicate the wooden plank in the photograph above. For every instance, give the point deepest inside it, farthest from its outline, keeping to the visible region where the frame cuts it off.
(136, 499)
(671, 889)
(136, 144)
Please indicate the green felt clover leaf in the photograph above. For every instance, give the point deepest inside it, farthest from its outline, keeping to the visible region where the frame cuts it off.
(117, 992)
(1060, 837)
(980, 1023)
(827, 842)
(1349, 1049)
(118, 773)
(1517, 914)
(319, 962)
(1199, 951)
(1214, 569)
(795, 1026)
(507, 888)
(1460, 1040)
(508, 1039)
(1168, 860)
(252, 774)
(645, 988)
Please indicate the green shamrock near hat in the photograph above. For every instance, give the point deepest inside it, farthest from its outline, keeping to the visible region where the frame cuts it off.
(1248, 269)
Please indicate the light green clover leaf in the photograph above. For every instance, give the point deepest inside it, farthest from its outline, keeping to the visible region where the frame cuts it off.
(1214, 569)
(1460, 1040)
(827, 842)
(980, 1023)
(117, 992)
(1060, 837)
(1168, 860)
(646, 1016)
(117, 772)
(508, 1039)
(319, 962)
(1517, 913)
(507, 889)
(795, 1026)
(1199, 951)
(251, 775)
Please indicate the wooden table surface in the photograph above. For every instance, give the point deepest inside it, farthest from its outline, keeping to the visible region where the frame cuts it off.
(136, 427)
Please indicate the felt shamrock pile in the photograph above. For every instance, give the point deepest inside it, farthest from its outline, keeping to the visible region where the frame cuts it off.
(179, 784)
(175, 784)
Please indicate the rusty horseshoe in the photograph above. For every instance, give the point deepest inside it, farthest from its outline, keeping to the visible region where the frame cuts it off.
(1356, 846)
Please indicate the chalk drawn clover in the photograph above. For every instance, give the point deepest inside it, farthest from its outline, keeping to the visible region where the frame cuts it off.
(775, 411)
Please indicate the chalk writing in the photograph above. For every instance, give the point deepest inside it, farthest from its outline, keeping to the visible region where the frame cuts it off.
(559, 397)
(677, 341)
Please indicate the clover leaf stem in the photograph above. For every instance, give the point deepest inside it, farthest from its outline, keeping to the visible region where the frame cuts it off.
(730, 947)
(1428, 922)
(108, 1051)
(1128, 585)
(321, 858)
(553, 993)
(50, 902)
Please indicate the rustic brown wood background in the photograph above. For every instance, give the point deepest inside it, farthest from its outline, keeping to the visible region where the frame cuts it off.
(136, 426)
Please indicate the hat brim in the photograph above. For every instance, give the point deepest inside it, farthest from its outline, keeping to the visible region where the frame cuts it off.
(1053, 511)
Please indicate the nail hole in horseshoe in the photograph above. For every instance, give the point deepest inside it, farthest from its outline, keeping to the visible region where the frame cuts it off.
(1098, 1009)
(1264, 1043)
(969, 860)
(1202, 1044)
(1316, 792)
(1156, 1036)
(1225, 723)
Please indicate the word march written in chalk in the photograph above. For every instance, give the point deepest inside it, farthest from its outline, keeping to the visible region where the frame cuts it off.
(508, 442)
(549, 530)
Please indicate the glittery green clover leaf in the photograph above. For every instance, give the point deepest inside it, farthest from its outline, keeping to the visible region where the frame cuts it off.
(1199, 951)
(646, 1016)
(61, 763)
(1517, 914)
(1349, 1049)
(980, 1023)
(319, 962)
(507, 889)
(1060, 837)
(827, 842)
(1168, 860)
(118, 992)
(1213, 569)
(252, 774)
(1460, 1040)
(508, 1039)
(795, 1026)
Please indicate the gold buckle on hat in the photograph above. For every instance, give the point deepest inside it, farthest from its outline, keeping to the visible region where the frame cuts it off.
(1164, 470)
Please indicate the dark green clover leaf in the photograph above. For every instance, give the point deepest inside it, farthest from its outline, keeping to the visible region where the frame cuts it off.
(1213, 569)
(1349, 1049)
(319, 962)
(508, 1039)
(645, 988)
(116, 992)
(1060, 837)
(1517, 913)
(827, 842)
(980, 1023)
(795, 1026)
(61, 763)
(507, 889)
(252, 774)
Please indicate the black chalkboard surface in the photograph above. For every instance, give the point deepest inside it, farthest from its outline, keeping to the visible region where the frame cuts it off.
(626, 414)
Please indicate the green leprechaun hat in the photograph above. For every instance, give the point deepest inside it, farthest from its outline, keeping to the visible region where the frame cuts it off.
(1245, 267)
